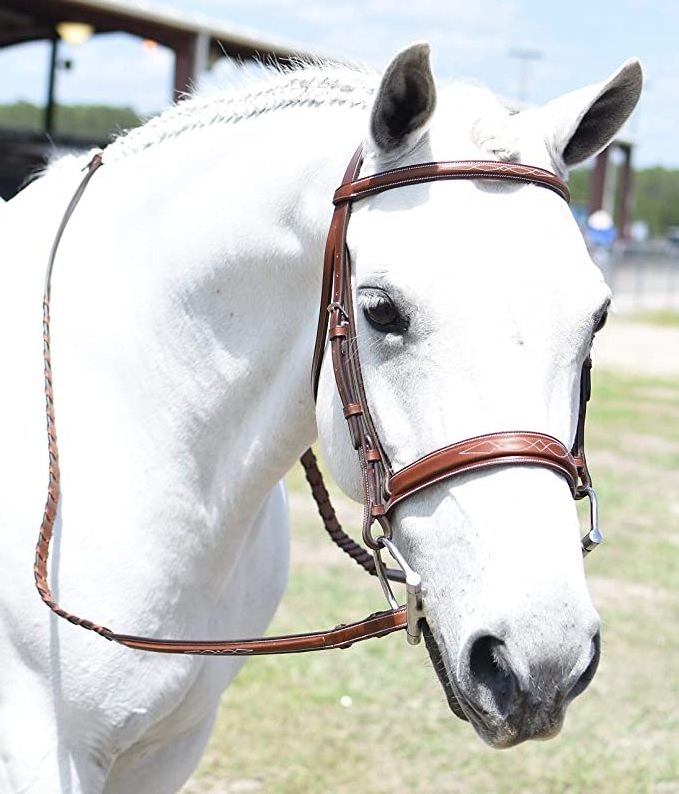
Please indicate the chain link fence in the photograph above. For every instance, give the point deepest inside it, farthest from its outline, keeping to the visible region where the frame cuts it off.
(643, 276)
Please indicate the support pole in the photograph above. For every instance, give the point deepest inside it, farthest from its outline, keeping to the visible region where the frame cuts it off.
(51, 85)
(625, 192)
(191, 59)
(598, 183)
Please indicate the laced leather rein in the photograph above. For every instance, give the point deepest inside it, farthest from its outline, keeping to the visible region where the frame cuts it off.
(383, 488)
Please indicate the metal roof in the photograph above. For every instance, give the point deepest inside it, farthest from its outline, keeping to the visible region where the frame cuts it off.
(28, 20)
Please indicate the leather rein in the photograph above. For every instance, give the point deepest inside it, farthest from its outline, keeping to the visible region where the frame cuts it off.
(383, 488)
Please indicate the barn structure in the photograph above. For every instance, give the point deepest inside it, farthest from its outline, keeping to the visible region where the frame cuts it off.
(611, 188)
(196, 43)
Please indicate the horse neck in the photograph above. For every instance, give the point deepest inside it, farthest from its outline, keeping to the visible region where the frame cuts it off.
(207, 323)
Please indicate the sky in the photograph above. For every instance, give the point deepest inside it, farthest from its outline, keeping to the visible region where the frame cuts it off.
(577, 42)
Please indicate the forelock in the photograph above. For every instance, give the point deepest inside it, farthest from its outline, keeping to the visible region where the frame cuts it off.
(472, 111)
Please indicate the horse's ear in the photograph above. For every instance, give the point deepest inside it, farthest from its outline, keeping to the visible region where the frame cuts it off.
(584, 122)
(405, 101)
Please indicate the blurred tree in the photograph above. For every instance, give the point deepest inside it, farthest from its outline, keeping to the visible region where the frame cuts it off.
(96, 122)
(655, 190)
(578, 182)
(656, 198)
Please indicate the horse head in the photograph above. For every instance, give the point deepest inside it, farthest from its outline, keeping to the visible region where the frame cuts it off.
(477, 304)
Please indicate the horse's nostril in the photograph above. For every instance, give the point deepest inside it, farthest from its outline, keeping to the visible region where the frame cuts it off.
(490, 669)
(583, 682)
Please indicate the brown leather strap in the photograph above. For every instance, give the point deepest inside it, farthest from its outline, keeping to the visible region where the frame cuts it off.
(578, 451)
(492, 449)
(375, 625)
(352, 189)
(383, 489)
(332, 525)
(379, 624)
(337, 232)
(458, 169)
(53, 488)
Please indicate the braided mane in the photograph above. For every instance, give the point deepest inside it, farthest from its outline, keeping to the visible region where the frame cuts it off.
(311, 86)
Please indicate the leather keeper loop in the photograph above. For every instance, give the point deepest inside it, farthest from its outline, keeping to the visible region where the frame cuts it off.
(353, 409)
(372, 455)
(338, 331)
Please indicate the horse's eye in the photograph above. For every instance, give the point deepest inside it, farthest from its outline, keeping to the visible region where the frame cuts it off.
(381, 313)
(601, 320)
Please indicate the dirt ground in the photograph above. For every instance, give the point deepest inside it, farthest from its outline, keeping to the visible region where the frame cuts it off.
(638, 348)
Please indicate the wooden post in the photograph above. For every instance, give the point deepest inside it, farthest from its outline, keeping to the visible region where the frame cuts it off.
(183, 67)
(51, 84)
(191, 58)
(598, 182)
(625, 191)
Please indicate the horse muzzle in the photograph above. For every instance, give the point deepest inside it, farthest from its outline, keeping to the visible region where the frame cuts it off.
(510, 696)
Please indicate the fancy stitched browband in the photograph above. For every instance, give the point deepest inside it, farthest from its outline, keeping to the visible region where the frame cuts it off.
(383, 488)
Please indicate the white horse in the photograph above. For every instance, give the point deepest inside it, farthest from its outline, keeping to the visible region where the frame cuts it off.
(184, 306)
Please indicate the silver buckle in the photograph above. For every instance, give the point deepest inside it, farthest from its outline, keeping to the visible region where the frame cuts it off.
(413, 582)
(335, 306)
(594, 537)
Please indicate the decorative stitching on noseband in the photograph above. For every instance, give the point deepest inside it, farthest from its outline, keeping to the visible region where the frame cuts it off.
(468, 169)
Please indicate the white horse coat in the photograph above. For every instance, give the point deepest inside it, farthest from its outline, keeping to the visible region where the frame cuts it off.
(184, 306)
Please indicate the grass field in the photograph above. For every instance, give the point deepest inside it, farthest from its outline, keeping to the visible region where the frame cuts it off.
(665, 318)
(285, 726)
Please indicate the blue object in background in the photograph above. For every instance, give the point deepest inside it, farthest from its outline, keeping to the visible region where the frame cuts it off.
(601, 238)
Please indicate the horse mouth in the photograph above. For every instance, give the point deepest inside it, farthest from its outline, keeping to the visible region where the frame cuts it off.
(498, 738)
(449, 689)
(500, 731)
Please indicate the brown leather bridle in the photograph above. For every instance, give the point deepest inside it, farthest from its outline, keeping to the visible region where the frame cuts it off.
(383, 488)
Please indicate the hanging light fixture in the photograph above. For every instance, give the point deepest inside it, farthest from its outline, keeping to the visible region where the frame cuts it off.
(75, 32)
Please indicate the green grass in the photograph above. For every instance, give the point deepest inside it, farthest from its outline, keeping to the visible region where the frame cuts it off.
(665, 318)
(281, 728)
(85, 121)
